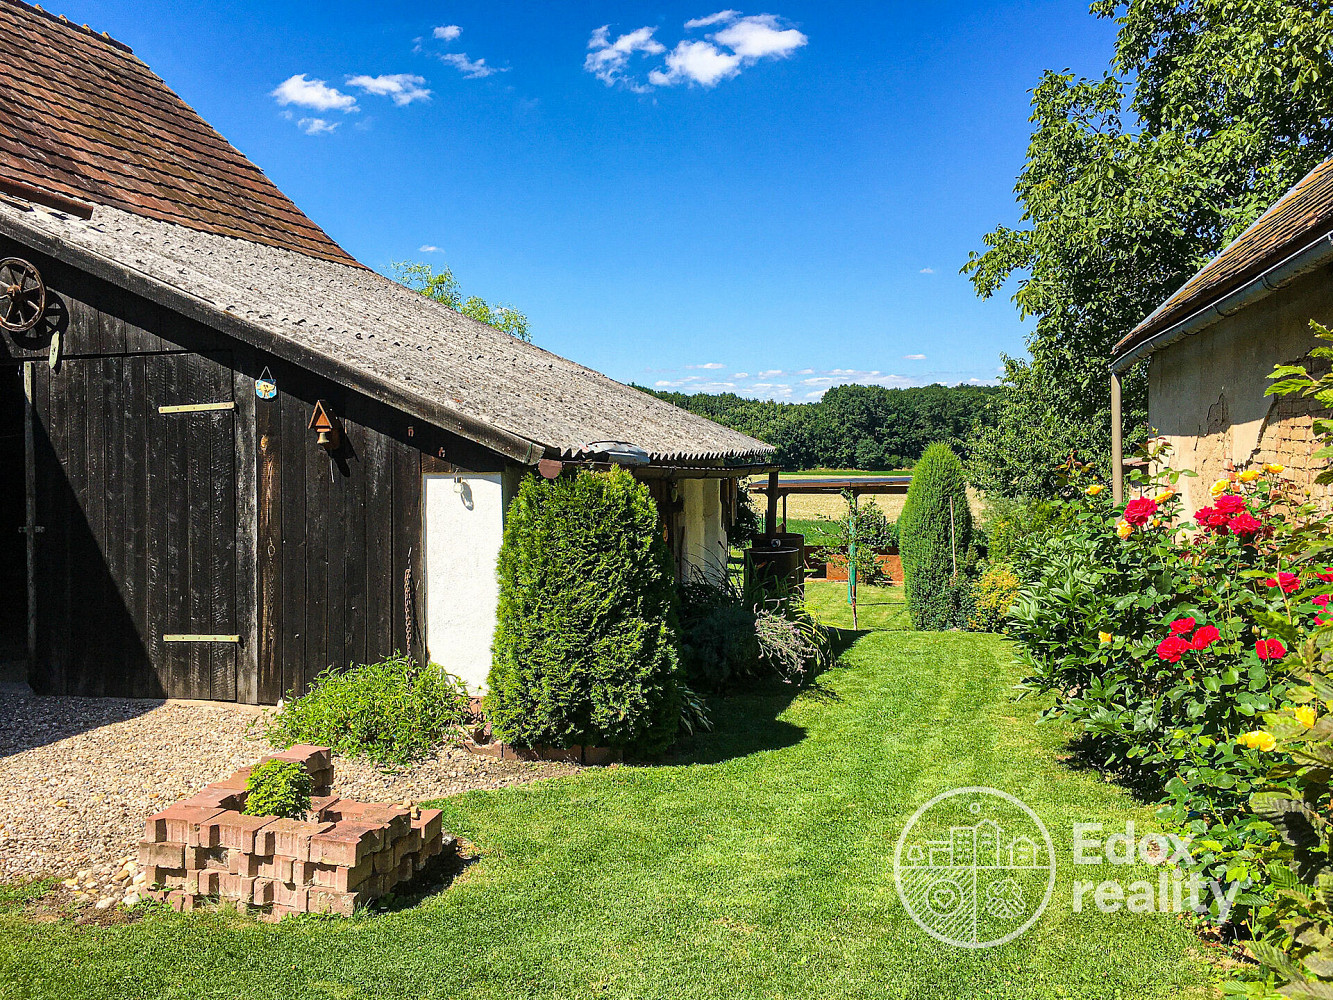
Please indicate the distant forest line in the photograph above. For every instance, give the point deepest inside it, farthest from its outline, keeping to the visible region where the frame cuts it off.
(852, 426)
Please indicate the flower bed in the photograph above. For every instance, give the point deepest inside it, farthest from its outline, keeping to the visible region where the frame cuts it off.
(1198, 658)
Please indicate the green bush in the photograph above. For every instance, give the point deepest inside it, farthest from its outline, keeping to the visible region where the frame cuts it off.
(731, 634)
(935, 528)
(585, 650)
(993, 595)
(1016, 531)
(278, 788)
(390, 712)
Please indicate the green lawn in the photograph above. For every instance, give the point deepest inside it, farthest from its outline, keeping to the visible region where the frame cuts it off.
(759, 866)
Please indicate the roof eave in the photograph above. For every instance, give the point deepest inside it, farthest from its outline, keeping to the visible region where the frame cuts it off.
(1309, 257)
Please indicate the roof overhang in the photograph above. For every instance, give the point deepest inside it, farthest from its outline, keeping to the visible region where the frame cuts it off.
(1308, 257)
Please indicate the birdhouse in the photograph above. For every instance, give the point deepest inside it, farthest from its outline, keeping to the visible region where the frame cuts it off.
(325, 426)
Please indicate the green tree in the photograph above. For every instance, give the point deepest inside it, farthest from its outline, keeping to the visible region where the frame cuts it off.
(934, 537)
(1210, 111)
(852, 426)
(584, 651)
(443, 287)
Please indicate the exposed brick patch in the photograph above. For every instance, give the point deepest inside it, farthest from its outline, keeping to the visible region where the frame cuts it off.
(343, 854)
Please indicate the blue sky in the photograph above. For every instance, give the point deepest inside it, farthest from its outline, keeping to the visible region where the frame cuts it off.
(774, 199)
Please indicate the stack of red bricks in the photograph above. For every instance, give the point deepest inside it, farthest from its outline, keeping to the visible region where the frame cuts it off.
(342, 854)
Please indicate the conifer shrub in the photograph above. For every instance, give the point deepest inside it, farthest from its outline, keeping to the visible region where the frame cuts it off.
(585, 649)
(934, 528)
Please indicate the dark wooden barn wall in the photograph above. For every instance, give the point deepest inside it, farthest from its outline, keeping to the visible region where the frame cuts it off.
(324, 565)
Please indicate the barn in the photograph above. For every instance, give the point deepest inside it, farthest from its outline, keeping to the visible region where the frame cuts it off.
(233, 456)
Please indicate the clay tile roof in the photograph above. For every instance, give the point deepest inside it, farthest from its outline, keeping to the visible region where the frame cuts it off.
(1302, 215)
(83, 118)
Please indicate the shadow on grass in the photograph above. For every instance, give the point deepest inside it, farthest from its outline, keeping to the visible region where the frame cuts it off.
(438, 875)
(1088, 752)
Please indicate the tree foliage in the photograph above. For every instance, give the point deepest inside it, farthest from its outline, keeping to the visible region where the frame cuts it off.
(443, 287)
(934, 536)
(584, 652)
(852, 426)
(1209, 112)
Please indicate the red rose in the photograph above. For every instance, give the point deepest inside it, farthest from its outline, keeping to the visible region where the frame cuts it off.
(1229, 503)
(1289, 582)
(1244, 523)
(1202, 515)
(1320, 600)
(1219, 521)
(1326, 574)
(1270, 649)
(1172, 648)
(1182, 625)
(1140, 511)
(1205, 637)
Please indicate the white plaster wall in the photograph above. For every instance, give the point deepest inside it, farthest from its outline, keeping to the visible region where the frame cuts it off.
(705, 537)
(1206, 392)
(463, 535)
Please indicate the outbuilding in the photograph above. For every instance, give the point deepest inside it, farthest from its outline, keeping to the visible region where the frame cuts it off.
(1212, 346)
(233, 456)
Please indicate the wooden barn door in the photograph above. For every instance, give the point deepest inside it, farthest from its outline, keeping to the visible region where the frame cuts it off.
(136, 553)
(191, 487)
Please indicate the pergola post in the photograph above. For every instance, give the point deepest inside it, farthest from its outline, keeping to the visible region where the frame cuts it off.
(771, 517)
(1117, 443)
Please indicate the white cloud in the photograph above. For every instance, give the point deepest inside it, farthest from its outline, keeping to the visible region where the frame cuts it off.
(313, 94)
(607, 60)
(316, 126)
(404, 88)
(711, 365)
(914, 357)
(770, 373)
(805, 371)
(428, 248)
(927, 270)
(739, 42)
(759, 37)
(696, 62)
(472, 69)
(447, 32)
(721, 17)
(741, 375)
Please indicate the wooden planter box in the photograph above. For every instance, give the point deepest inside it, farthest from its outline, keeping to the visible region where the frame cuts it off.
(891, 562)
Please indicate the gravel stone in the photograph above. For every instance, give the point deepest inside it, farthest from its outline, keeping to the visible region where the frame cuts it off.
(79, 775)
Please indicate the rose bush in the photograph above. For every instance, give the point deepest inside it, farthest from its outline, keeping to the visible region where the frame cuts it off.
(1169, 641)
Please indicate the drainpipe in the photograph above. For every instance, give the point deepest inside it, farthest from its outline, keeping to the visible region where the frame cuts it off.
(1117, 443)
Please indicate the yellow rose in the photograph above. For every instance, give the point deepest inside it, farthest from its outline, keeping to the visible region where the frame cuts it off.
(1257, 740)
(1304, 715)
(1274, 467)
(1123, 528)
(1105, 637)
(1249, 475)
(1094, 489)
(1164, 496)
(1220, 486)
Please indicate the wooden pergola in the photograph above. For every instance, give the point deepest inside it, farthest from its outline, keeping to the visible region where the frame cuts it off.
(776, 489)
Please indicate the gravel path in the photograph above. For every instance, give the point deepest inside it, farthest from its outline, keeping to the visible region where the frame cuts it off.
(78, 776)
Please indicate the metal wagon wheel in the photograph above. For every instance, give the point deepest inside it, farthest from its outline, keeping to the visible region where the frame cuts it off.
(22, 295)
